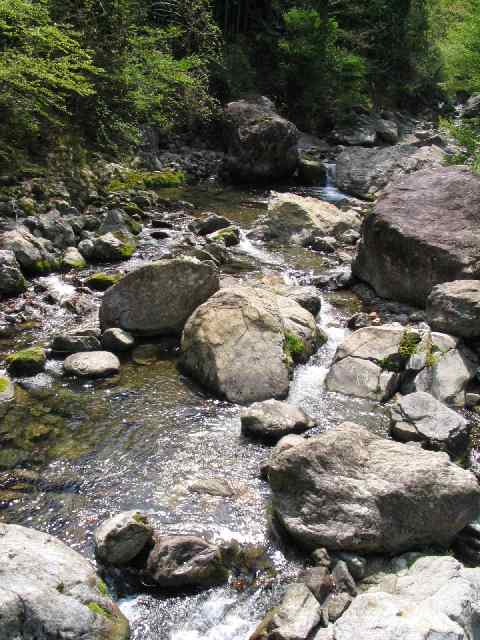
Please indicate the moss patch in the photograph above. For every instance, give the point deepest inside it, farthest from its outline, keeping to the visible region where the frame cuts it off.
(98, 610)
(408, 344)
(4, 384)
(102, 587)
(102, 281)
(147, 180)
(294, 348)
(27, 362)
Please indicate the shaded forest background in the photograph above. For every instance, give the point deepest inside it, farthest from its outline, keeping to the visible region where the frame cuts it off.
(98, 73)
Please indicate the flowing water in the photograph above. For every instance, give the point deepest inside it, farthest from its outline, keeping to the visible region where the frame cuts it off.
(140, 441)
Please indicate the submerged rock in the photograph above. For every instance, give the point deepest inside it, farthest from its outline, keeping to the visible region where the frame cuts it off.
(351, 490)
(158, 298)
(421, 418)
(49, 591)
(92, 364)
(243, 342)
(120, 539)
(420, 235)
(261, 145)
(272, 419)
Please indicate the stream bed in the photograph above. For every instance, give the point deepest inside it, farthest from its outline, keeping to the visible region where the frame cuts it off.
(142, 440)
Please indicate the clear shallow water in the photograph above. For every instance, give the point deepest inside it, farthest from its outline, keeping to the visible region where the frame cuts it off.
(138, 442)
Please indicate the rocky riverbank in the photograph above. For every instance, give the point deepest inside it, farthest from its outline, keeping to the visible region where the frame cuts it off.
(158, 341)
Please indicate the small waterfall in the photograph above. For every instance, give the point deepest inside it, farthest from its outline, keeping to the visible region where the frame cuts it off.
(257, 251)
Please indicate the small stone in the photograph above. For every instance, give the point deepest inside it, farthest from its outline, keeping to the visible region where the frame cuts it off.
(93, 364)
(73, 259)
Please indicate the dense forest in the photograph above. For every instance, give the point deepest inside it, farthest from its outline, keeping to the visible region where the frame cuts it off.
(99, 72)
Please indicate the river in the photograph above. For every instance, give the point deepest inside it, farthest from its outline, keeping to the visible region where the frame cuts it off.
(138, 443)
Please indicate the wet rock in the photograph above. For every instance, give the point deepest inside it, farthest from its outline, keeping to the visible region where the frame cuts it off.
(93, 364)
(261, 145)
(293, 218)
(421, 418)
(75, 343)
(242, 343)
(120, 539)
(12, 281)
(112, 248)
(229, 236)
(117, 221)
(157, 299)
(50, 591)
(209, 225)
(295, 618)
(312, 173)
(404, 256)
(272, 419)
(337, 605)
(307, 297)
(117, 340)
(454, 307)
(325, 245)
(343, 579)
(176, 562)
(365, 172)
(33, 254)
(27, 362)
(319, 581)
(351, 490)
(357, 565)
(424, 599)
(73, 259)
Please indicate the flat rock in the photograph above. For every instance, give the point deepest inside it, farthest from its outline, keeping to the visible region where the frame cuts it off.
(351, 490)
(92, 364)
(294, 218)
(421, 418)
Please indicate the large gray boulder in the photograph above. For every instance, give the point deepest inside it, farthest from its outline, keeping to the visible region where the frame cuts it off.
(261, 145)
(365, 172)
(49, 592)
(420, 235)
(419, 417)
(472, 107)
(242, 343)
(272, 419)
(294, 218)
(12, 281)
(158, 298)
(351, 490)
(454, 307)
(420, 598)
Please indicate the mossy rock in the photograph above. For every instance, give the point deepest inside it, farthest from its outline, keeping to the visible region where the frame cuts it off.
(294, 348)
(41, 267)
(7, 389)
(137, 180)
(103, 281)
(27, 362)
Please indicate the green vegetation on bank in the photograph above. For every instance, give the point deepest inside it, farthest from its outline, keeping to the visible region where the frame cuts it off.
(106, 75)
